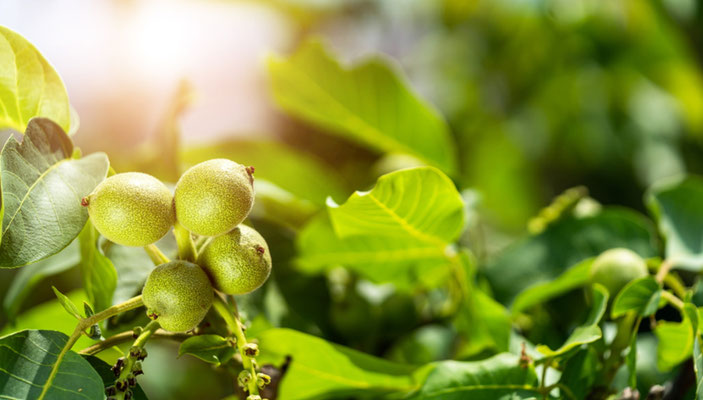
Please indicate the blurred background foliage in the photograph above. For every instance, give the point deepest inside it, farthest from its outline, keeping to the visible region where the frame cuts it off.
(539, 96)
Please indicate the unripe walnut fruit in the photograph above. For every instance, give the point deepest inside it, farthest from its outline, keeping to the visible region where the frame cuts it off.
(238, 262)
(615, 268)
(213, 197)
(131, 209)
(177, 294)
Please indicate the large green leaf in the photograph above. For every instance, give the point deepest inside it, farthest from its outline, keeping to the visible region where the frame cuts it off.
(543, 257)
(320, 369)
(26, 360)
(296, 172)
(28, 277)
(589, 332)
(99, 275)
(398, 232)
(572, 278)
(368, 103)
(641, 295)
(420, 203)
(29, 86)
(677, 207)
(42, 187)
(499, 377)
(675, 343)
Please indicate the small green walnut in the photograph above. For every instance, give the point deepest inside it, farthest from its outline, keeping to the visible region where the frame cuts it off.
(131, 209)
(238, 262)
(177, 294)
(213, 197)
(614, 268)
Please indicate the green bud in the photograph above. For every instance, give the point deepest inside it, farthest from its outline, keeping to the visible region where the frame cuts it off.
(244, 378)
(251, 350)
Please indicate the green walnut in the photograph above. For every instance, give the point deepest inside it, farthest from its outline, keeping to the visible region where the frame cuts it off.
(177, 294)
(615, 268)
(238, 262)
(131, 209)
(213, 197)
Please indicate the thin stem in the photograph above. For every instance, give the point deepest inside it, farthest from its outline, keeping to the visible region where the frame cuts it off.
(672, 299)
(186, 247)
(564, 389)
(84, 324)
(157, 257)
(126, 336)
(130, 357)
(543, 383)
(236, 327)
(664, 269)
(674, 282)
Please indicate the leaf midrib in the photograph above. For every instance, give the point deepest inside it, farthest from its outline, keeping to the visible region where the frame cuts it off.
(29, 191)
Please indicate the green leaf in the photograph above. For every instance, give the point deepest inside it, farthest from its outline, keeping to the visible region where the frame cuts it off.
(368, 103)
(581, 372)
(420, 203)
(499, 377)
(210, 348)
(641, 295)
(675, 343)
(29, 85)
(399, 232)
(49, 315)
(676, 206)
(301, 174)
(108, 377)
(320, 369)
(403, 262)
(572, 278)
(589, 332)
(28, 277)
(99, 275)
(698, 367)
(42, 187)
(631, 361)
(566, 242)
(26, 360)
(67, 304)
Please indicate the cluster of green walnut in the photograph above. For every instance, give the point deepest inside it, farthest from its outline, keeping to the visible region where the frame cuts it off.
(211, 199)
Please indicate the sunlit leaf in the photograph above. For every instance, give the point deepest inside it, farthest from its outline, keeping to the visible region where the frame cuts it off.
(367, 103)
(675, 343)
(99, 275)
(42, 187)
(67, 304)
(320, 369)
(420, 203)
(29, 85)
(26, 360)
(641, 295)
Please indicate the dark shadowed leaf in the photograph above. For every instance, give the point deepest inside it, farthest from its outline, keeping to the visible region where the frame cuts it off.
(543, 257)
(210, 348)
(499, 377)
(26, 360)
